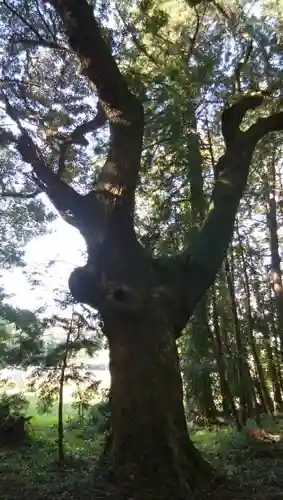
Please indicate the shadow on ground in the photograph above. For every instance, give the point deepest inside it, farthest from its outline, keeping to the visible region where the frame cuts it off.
(252, 463)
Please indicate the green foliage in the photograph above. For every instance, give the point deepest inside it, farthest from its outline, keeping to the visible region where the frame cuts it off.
(21, 342)
(182, 63)
(47, 390)
(45, 383)
(98, 416)
(34, 469)
(13, 422)
(83, 396)
(12, 404)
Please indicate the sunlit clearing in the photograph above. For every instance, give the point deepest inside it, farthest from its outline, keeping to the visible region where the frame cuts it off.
(50, 259)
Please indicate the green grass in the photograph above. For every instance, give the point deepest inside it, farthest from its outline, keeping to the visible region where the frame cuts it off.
(44, 426)
(33, 472)
(251, 461)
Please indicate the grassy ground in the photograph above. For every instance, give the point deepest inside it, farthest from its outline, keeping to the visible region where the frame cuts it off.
(254, 461)
(32, 472)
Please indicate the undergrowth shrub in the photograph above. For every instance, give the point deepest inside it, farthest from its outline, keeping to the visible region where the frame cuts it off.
(13, 419)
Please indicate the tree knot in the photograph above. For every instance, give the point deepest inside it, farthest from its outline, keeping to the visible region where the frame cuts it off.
(122, 297)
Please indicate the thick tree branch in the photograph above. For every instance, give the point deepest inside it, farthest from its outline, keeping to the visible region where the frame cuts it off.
(233, 116)
(119, 175)
(263, 126)
(63, 196)
(86, 40)
(204, 259)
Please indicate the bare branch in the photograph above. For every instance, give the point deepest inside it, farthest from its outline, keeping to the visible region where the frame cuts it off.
(21, 195)
(44, 22)
(50, 44)
(16, 194)
(22, 19)
(87, 41)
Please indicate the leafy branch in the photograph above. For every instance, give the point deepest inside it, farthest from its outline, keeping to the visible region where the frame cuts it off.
(64, 197)
(77, 136)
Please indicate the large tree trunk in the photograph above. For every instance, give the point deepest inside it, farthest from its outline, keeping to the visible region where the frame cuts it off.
(150, 447)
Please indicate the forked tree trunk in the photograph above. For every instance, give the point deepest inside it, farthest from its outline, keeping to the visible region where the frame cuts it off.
(150, 448)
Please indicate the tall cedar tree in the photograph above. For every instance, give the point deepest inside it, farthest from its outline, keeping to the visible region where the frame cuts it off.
(144, 302)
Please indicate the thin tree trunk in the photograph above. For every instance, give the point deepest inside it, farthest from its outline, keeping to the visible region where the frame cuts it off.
(276, 349)
(266, 326)
(60, 426)
(277, 394)
(228, 403)
(199, 338)
(61, 453)
(262, 388)
(275, 271)
(276, 386)
(244, 378)
(199, 352)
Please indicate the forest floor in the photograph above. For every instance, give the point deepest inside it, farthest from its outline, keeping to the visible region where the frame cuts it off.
(252, 463)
